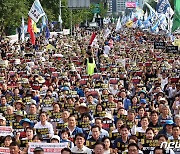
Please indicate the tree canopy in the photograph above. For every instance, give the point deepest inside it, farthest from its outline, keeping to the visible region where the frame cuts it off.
(11, 12)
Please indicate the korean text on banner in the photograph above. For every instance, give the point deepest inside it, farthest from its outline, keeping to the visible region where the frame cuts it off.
(49, 148)
(5, 130)
(4, 150)
(36, 11)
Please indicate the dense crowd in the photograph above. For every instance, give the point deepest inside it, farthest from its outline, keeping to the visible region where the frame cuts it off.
(115, 95)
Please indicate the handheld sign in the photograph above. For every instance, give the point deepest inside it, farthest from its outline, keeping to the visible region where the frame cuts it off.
(49, 148)
(159, 45)
(4, 150)
(5, 130)
(172, 49)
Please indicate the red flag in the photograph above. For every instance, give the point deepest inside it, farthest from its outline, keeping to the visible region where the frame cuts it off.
(92, 38)
(31, 31)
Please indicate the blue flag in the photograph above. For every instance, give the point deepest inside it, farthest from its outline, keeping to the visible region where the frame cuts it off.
(162, 6)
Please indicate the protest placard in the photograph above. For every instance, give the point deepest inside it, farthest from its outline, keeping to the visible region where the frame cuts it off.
(4, 150)
(49, 148)
(5, 130)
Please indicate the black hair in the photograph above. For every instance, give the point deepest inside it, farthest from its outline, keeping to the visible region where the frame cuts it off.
(66, 150)
(14, 144)
(39, 137)
(148, 129)
(65, 130)
(124, 126)
(95, 126)
(104, 138)
(159, 148)
(133, 144)
(79, 134)
(144, 118)
(162, 135)
(99, 143)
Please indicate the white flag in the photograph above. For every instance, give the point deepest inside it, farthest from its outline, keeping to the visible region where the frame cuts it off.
(118, 26)
(36, 11)
(22, 29)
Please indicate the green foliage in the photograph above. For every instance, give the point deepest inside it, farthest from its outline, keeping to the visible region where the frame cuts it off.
(11, 12)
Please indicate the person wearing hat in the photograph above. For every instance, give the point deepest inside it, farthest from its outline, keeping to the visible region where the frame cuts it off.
(2, 121)
(20, 106)
(38, 150)
(26, 123)
(19, 116)
(167, 128)
(55, 139)
(82, 108)
(142, 94)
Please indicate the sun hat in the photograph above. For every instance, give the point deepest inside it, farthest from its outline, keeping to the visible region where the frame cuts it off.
(28, 121)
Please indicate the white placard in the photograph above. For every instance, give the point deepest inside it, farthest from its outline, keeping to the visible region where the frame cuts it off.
(49, 148)
(4, 150)
(5, 130)
(66, 31)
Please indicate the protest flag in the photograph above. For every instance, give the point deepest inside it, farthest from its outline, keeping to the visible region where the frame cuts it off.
(31, 31)
(92, 38)
(36, 11)
(118, 26)
(176, 18)
(22, 30)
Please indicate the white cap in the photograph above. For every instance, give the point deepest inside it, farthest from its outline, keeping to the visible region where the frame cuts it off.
(55, 137)
(2, 118)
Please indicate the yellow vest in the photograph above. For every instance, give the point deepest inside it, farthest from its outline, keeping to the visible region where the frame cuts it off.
(90, 67)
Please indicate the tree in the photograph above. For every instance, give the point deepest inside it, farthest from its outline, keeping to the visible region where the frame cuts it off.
(11, 12)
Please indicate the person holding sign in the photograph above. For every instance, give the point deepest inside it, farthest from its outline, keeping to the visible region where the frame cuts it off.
(43, 127)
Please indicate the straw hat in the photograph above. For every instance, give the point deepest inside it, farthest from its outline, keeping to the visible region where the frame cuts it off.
(19, 101)
(83, 105)
(108, 116)
(40, 79)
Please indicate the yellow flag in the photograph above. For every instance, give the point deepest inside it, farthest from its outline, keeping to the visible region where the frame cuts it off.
(129, 23)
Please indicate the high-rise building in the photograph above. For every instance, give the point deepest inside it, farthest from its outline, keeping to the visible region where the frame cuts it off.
(121, 4)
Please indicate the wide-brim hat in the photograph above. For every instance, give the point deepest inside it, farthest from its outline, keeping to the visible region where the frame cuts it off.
(108, 116)
(40, 79)
(28, 121)
(19, 113)
(19, 101)
(83, 105)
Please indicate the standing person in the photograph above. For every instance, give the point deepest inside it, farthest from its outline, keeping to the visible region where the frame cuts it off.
(90, 63)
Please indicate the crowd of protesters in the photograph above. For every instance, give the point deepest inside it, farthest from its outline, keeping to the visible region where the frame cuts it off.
(117, 95)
